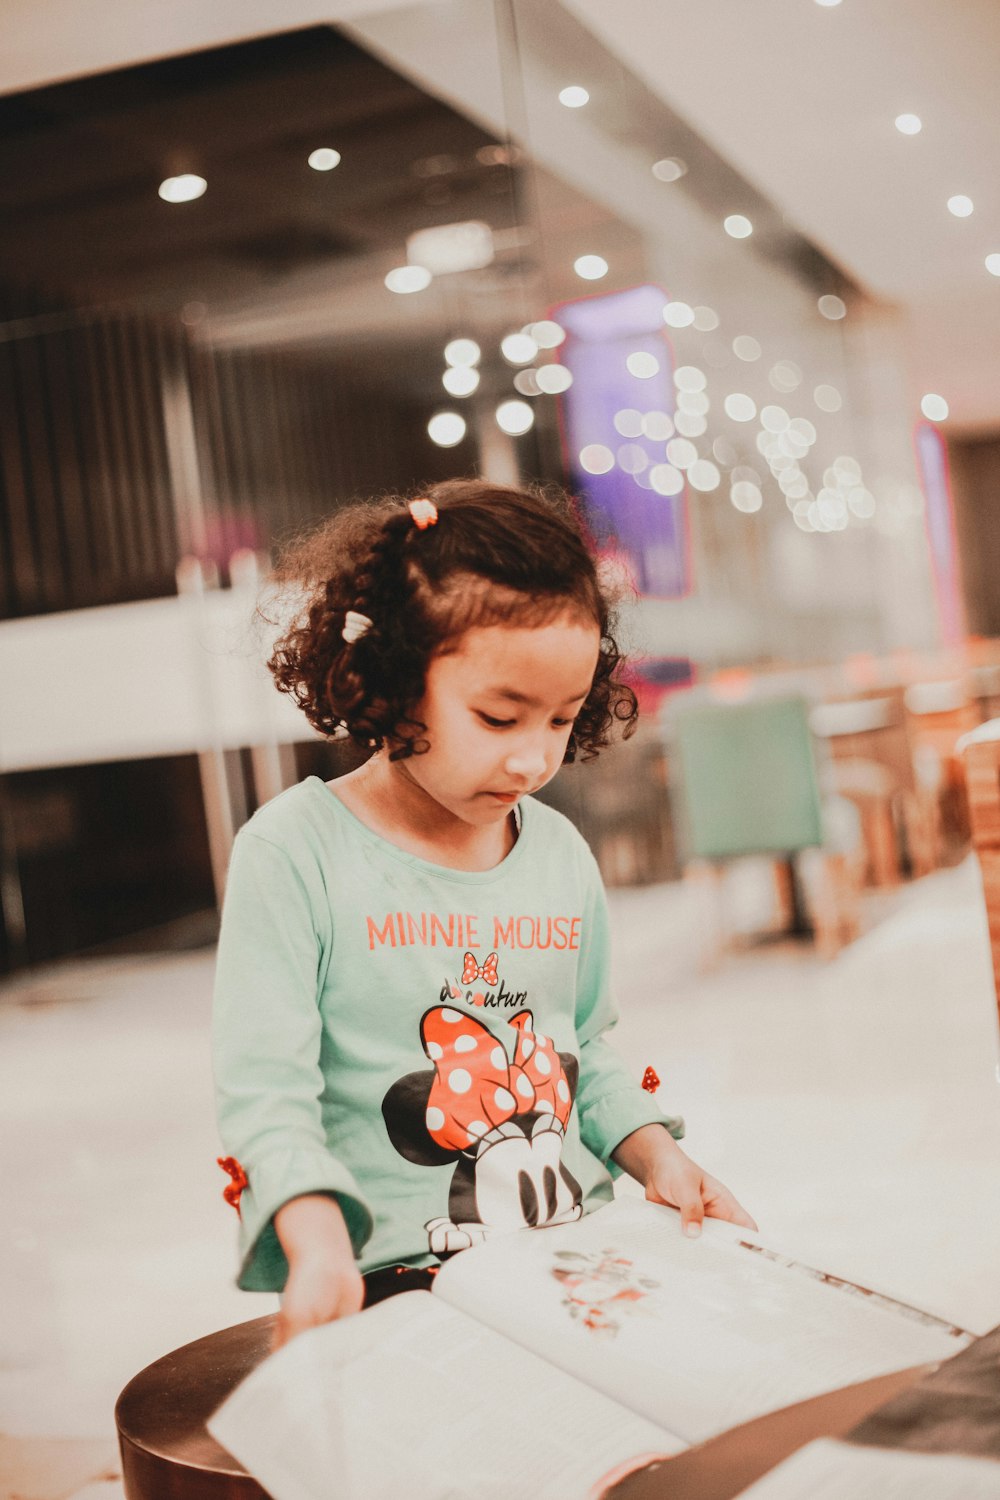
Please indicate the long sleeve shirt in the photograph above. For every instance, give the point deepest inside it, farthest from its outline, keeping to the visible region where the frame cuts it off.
(425, 1044)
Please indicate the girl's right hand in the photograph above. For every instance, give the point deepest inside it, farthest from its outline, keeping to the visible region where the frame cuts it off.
(324, 1282)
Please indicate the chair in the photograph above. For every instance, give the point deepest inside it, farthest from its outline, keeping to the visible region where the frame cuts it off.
(980, 753)
(748, 784)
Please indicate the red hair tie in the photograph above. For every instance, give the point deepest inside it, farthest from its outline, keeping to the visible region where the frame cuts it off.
(424, 513)
(233, 1191)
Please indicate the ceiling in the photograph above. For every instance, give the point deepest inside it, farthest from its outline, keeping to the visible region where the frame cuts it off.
(799, 98)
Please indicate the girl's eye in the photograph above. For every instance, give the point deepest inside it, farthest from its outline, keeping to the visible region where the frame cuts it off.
(496, 723)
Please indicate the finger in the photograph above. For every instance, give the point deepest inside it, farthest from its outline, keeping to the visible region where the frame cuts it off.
(689, 1201)
(722, 1205)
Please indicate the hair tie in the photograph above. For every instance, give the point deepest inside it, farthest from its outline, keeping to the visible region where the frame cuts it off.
(424, 513)
(355, 626)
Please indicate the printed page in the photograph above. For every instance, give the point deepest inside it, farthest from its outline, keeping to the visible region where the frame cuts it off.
(828, 1470)
(697, 1334)
(413, 1398)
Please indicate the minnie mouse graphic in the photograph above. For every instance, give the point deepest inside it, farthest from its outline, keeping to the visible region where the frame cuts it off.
(501, 1122)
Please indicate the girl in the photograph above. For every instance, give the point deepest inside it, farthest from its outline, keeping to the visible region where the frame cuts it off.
(412, 984)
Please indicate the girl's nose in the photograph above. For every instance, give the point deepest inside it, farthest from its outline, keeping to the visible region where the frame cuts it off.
(527, 762)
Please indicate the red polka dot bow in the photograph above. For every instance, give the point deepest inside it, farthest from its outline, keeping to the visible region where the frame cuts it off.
(475, 1088)
(472, 970)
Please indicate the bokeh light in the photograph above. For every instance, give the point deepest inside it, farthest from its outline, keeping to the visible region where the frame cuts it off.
(324, 159)
(182, 189)
(514, 417)
(404, 279)
(590, 267)
(446, 428)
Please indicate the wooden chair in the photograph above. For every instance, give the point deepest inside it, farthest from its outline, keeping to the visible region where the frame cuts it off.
(980, 752)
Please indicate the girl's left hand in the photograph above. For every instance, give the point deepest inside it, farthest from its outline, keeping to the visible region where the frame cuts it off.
(670, 1176)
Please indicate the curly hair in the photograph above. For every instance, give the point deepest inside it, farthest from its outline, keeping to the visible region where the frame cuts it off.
(496, 556)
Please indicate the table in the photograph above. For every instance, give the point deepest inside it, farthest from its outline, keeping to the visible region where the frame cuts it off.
(167, 1453)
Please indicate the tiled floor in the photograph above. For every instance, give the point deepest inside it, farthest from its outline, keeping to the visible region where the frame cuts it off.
(853, 1106)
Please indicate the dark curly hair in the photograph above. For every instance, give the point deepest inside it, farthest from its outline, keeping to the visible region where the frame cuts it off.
(496, 555)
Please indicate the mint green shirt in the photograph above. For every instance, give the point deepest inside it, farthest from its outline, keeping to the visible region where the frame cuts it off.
(425, 1044)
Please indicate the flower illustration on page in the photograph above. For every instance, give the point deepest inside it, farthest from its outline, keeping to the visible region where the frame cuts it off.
(601, 1288)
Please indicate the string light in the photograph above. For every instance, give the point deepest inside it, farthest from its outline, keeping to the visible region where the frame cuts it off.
(462, 352)
(574, 97)
(909, 124)
(514, 417)
(405, 279)
(934, 408)
(738, 226)
(590, 267)
(446, 429)
(960, 206)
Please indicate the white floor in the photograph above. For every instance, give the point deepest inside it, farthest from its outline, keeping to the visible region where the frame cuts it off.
(853, 1106)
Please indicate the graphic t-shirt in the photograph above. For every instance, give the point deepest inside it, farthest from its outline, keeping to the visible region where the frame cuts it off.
(426, 1044)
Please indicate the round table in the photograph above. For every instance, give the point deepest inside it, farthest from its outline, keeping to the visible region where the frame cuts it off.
(167, 1452)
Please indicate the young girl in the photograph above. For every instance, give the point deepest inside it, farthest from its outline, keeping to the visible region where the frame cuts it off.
(412, 986)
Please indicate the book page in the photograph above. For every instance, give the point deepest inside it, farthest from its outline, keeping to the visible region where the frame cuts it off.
(411, 1398)
(698, 1334)
(828, 1470)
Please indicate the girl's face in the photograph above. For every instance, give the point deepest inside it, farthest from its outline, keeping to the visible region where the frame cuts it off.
(499, 707)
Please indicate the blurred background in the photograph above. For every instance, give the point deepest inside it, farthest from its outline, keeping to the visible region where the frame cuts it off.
(730, 272)
(706, 266)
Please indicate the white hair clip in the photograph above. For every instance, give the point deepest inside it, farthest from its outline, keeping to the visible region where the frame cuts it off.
(355, 626)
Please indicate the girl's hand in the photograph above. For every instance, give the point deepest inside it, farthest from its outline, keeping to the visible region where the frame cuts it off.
(324, 1282)
(670, 1176)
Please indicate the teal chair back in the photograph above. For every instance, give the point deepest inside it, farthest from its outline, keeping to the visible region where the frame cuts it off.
(746, 777)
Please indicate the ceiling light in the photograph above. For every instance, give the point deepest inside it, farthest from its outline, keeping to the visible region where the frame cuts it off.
(993, 264)
(574, 97)
(408, 279)
(183, 189)
(460, 380)
(514, 417)
(324, 159)
(669, 169)
(909, 124)
(833, 308)
(960, 206)
(934, 408)
(446, 429)
(590, 267)
(462, 352)
(738, 225)
(518, 348)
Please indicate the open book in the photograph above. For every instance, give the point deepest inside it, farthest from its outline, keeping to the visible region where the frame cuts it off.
(551, 1361)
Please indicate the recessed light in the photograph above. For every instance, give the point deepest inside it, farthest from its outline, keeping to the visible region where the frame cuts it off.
(324, 159)
(182, 189)
(408, 279)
